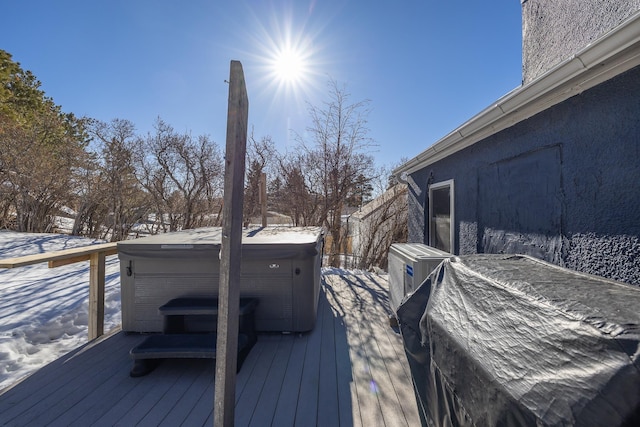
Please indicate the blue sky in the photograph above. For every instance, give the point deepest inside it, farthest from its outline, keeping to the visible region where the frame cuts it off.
(426, 66)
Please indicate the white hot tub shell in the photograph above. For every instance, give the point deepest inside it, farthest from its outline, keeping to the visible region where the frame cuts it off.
(280, 266)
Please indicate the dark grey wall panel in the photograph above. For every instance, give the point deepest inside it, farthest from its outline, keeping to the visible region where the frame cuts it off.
(523, 194)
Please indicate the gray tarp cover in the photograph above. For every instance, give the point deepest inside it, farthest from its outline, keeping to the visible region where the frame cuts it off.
(500, 340)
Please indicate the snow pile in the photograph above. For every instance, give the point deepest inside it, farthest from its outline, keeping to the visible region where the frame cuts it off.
(43, 311)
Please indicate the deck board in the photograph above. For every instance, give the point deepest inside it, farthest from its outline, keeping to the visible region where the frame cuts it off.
(350, 371)
(381, 351)
(348, 408)
(307, 403)
(33, 396)
(328, 387)
(266, 405)
(165, 404)
(197, 391)
(285, 411)
(360, 340)
(252, 391)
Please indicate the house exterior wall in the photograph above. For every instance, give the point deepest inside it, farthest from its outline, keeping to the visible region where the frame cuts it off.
(563, 185)
(553, 31)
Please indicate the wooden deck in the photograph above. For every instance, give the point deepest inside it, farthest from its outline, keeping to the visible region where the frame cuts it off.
(351, 370)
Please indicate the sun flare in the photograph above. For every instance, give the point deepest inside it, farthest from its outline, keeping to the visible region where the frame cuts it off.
(289, 66)
(286, 55)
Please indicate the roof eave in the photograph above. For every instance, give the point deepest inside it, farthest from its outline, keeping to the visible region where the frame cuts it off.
(612, 54)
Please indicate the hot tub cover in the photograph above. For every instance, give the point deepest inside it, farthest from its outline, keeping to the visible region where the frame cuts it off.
(257, 242)
(502, 340)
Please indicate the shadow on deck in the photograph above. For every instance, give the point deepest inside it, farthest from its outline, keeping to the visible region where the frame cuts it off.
(350, 371)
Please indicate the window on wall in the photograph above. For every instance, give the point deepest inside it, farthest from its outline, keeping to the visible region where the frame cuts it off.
(441, 219)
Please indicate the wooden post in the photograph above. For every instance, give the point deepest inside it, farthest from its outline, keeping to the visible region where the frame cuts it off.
(96, 294)
(231, 250)
(263, 198)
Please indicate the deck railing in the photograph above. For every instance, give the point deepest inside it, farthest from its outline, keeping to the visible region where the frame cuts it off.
(96, 255)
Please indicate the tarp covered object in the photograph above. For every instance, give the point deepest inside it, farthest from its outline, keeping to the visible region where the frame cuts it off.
(506, 340)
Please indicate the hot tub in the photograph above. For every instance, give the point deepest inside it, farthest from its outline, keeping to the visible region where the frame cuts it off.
(280, 267)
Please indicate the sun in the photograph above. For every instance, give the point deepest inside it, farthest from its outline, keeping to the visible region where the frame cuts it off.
(286, 61)
(289, 66)
(285, 52)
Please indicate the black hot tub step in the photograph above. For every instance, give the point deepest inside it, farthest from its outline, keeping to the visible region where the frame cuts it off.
(199, 314)
(187, 306)
(180, 346)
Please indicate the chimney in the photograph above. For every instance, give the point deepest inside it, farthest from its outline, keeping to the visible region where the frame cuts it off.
(553, 31)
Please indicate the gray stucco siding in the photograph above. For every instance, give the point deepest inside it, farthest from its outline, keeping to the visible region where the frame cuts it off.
(553, 31)
(563, 185)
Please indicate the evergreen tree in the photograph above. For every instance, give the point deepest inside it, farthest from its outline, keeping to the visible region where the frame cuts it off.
(41, 149)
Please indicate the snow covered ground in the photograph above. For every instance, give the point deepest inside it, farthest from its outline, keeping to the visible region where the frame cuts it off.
(43, 311)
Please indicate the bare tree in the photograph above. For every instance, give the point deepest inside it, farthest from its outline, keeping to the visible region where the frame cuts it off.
(292, 191)
(337, 159)
(182, 175)
(378, 224)
(37, 164)
(90, 211)
(112, 200)
(260, 155)
(382, 221)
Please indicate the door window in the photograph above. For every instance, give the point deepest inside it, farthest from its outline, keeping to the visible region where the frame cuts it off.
(441, 216)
